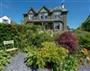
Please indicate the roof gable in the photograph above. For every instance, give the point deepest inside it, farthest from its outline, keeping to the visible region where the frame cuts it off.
(43, 10)
(31, 11)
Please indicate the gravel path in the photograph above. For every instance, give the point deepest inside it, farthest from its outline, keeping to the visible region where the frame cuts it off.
(17, 64)
(84, 68)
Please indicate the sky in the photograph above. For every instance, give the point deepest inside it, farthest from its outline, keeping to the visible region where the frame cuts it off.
(78, 10)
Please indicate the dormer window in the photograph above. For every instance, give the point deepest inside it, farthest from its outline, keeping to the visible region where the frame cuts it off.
(46, 15)
(43, 15)
(31, 14)
(31, 17)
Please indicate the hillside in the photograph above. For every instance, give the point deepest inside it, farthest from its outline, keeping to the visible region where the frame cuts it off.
(86, 24)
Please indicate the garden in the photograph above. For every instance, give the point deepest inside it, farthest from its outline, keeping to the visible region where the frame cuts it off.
(62, 51)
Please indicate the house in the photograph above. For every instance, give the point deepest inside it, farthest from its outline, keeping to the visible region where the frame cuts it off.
(5, 19)
(52, 19)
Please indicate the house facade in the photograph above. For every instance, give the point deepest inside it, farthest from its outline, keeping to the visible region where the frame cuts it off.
(50, 19)
(5, 20)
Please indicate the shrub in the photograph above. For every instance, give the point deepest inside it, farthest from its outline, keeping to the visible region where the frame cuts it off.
(50, 56)
(4, 59)
(83, 39)
(70, 63)
(6, 33)
(37, 38)
(19, 33)
(68, 40)
(23, 35)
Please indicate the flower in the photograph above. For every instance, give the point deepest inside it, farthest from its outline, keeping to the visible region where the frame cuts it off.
(84, 51)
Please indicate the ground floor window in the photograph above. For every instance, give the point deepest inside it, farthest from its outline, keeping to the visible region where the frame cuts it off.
(58, 26)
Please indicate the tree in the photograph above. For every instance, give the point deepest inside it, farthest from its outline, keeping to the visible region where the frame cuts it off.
(86, 24)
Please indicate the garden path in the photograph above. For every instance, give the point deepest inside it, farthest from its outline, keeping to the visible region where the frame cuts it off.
(17, 64)
(84, 68)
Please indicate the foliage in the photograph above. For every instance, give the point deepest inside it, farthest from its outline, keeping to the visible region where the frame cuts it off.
(70, 63)
(23, 35)
(19, 33)
(4, 59)
(84, 39)
(6, 33)
(84, 56)
(49, 55)
(37, 38)
(84, 51)
(86, 24)
(68, 40)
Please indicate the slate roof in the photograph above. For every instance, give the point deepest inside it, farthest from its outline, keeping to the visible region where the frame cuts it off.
(58, 8)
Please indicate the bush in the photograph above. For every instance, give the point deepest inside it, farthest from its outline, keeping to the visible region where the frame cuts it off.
(83, 39)
(7, 32)
(19, 33)
(50, 56)
(23, 35)
(37, 38)
(4, 59)
(68, 40)
(70, 63)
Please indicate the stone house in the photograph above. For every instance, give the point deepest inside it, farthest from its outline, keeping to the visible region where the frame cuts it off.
(51, 19)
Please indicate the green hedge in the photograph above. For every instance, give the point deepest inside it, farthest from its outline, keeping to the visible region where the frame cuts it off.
(18, 33)
(7, 32)
(23, 35)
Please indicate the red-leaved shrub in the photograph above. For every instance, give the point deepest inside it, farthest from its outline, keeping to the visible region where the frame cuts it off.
(68, 40)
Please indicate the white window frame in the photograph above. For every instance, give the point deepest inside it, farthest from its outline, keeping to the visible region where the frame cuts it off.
(31, 17)
(58, 24)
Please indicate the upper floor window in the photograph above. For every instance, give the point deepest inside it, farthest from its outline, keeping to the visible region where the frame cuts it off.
(43, 15)
(57, 15)
(31, 17)
(46, 15)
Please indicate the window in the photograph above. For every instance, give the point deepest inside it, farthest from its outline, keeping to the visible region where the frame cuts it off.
(43, 15)
(61, 26)
(58, 26)
(46, 17)
(30, 17)
(57, 15)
